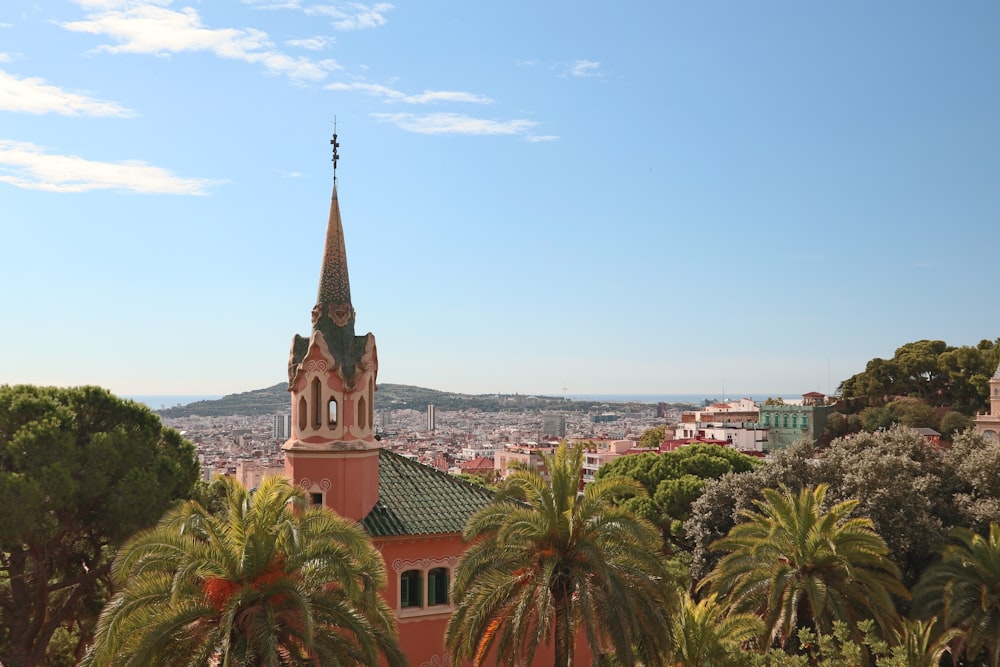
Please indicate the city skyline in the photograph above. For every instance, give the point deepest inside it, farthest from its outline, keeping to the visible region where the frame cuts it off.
(537, 198)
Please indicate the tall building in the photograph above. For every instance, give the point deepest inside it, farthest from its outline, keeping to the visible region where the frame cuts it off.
(431, 418)
(989, 423)
(282, 427)
(413, 513)
(554, 425)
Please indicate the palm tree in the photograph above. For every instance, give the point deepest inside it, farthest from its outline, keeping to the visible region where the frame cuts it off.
(918, 645)
(963, 590)
(546, 561)
(268, 580)
(793, 565)
(705, 636)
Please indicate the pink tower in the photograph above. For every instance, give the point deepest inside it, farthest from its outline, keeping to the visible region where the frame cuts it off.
(333, 453)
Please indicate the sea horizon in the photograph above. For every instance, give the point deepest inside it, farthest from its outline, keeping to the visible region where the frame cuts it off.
(164, 401)
(676, 398)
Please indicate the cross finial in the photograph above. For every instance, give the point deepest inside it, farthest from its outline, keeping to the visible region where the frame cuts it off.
(336, 145)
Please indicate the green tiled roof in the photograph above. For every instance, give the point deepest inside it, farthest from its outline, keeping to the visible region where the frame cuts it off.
(415, 499)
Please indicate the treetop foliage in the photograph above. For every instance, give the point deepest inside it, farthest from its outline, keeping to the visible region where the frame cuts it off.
(673, 480)
(85, 470)
(931, 370)
(912, 492)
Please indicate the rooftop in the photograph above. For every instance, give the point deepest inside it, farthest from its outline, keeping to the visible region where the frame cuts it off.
(415, 499)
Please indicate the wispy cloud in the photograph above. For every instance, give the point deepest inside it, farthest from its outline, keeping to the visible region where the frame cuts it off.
(537, 139)
(152, 28)
(317, 43)
(4, 58)
(274, 4)
(31, 167)
(426, 97)
(353, 15)
(585, 69)
(32, 95)
(453, 123)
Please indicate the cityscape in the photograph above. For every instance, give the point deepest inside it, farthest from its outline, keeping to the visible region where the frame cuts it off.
(523, 200)
(248, 447)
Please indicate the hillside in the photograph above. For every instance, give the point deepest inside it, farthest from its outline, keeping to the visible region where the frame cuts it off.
(275, 400)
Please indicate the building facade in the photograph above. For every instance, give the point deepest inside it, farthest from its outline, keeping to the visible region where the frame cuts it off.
(554, 426)
(787, 424)
(988, 424)
(282, 427)
(413, 513)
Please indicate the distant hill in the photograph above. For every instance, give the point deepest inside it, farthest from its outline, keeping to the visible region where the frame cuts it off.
(275, 400)
(271, 400)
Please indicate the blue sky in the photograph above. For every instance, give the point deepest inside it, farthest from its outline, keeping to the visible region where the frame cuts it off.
(647, 197)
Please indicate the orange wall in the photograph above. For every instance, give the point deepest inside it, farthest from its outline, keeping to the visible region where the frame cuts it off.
(348, 480)
(421, 636)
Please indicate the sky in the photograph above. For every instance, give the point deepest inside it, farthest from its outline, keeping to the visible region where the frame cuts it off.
(538, 197)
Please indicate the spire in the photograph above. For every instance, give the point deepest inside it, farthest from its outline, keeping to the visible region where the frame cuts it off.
(334, 298)
(336, 155)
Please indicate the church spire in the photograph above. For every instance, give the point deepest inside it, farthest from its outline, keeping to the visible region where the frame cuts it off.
(334, 298)
(332, 451)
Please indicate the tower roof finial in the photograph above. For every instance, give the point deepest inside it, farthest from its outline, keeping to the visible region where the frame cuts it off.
(336, 155)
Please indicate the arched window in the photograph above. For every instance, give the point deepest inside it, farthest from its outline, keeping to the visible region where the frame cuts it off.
(362, 413)
(786, 421)
(317, 403)
(805, 422)
(331, 412)
(411, 590)
(371, 402)
(303, 416)
(437, 586)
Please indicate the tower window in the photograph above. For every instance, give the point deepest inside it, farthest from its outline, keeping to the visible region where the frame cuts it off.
(302, 416)
(317, 498)
(316, 403)
(362, 413)
(331, 412)
(371, 402)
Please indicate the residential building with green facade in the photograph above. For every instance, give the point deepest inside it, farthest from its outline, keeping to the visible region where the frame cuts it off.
(789, 424)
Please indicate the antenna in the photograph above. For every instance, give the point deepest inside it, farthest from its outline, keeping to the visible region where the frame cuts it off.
(336, 155)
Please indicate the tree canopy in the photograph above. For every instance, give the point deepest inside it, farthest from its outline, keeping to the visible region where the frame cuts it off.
(673, 481)
(912, 493)
(546, 562)
(268, 580)
(797, 565)
(931, 370)
(84, 470)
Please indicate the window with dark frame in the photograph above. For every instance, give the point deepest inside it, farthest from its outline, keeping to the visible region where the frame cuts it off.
(437, 586)
(411, 593)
